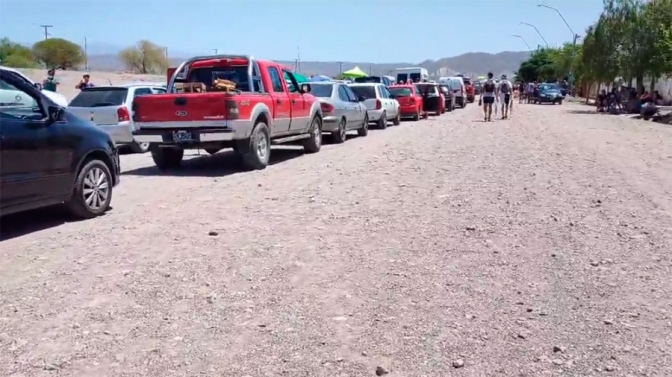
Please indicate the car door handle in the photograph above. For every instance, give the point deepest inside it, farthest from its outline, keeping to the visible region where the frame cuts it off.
(278, 101)
(293, 101)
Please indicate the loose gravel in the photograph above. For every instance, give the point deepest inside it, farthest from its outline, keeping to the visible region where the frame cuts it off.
(536, 246)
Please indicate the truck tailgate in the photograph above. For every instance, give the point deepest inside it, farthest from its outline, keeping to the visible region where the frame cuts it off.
(181, 107)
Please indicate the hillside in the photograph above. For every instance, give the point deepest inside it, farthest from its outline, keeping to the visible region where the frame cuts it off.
(472, 63)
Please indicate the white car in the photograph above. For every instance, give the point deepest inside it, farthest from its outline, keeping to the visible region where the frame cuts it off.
(381, 106)
(57, 98)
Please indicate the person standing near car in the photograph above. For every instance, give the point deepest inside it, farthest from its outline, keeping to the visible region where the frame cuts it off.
(50, 83)
(488, 97)
(84, 82)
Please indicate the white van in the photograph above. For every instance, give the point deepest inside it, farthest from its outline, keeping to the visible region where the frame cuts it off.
(415, 74)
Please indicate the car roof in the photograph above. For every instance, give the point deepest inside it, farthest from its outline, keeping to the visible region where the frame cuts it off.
(366, 84)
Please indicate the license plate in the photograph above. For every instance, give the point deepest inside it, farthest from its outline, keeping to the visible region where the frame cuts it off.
(182, 136)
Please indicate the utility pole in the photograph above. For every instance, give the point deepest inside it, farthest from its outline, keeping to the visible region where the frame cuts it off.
(340, 68)
(574, 38)
(165, 50)
(215, 50)
(86, 56)
(537, 30)
(46, 31)
(298, 59)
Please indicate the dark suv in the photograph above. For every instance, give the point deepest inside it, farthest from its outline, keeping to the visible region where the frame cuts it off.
(49, 156)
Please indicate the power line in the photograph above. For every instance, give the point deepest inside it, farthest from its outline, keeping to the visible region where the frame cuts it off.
(46, 31)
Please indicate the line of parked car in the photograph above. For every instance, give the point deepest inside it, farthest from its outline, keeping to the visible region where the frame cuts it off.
(53, 154)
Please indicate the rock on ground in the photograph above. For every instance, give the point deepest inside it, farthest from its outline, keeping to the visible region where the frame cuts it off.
(416, 246)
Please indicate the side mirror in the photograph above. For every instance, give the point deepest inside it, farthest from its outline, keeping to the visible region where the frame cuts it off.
(38, 86)
(305, 88)
(56, 114)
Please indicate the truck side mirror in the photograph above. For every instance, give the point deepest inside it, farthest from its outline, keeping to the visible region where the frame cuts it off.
(305, 88)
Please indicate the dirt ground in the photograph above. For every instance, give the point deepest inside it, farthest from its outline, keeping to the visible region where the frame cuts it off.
(537, 246)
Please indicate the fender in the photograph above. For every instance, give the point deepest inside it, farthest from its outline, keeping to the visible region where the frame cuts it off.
(261, 109)
(315, 110)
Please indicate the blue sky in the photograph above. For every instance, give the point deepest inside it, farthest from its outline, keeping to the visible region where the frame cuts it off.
(375, 31)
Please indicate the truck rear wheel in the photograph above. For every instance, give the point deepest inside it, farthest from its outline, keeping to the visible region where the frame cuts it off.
(314, 142)
(167, 158)
(255, 152)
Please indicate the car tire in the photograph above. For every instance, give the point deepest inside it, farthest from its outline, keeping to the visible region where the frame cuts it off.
(364, 129)
(340, 136)
(167, 158)
(92, 192)
(397, 120)
(139, 147)
(255, 152)
(382, 122)
(416, 117)
(212, 151)
(313, 144)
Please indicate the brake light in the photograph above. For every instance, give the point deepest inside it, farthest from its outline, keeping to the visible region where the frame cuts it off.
(327, 108)
(379, 105)
(123, 115)
(232, 112)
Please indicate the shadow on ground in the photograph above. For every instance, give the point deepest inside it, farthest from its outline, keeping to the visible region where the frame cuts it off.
(21, 224)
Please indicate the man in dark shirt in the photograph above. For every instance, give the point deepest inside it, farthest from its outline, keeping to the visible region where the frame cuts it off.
(50, 83)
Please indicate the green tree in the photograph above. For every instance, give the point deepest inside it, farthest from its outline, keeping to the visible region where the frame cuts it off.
(145, 57)
(657, 20)
(15, 55)
(541, 66)
(58, 53)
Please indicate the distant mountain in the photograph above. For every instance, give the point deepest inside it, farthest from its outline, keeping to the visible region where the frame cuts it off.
(104, 57)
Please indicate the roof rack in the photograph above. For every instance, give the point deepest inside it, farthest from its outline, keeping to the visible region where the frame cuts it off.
(190, 61)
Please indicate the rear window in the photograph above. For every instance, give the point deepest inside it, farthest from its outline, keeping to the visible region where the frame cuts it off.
(374, 79)
(207, 75)
(401, 92)
(100, 96)
(364, 91)
(321, 90)
(466, 81)
(430, 90)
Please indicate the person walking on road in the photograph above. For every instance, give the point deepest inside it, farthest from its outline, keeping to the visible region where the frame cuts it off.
(504, 91)
(488, 97)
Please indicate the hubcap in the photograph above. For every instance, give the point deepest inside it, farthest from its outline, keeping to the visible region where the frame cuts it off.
(262, 146)
(341, 130)
(96, 188)
(144, 146)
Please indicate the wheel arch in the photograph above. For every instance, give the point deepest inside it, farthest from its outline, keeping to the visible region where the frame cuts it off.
(96, 154)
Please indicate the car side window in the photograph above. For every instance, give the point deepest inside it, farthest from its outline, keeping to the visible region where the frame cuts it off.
(276, 80)
(342, 94)
(15, 102)
(141, 92)
(158, 90)
(350, 93)
(381, 91)
(386, 91)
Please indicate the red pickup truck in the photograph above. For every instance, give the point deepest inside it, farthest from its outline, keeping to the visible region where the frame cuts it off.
(263, 109)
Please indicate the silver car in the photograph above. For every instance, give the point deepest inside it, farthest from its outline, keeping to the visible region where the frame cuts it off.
(342, 110)
(110, 107)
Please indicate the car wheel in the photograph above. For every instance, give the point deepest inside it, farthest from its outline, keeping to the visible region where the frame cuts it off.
(416, 117)
(397, 119)
(212, 151)
(340, 135)
(167, 158)
(314, 142)
(139, 147)
(256, 151)
(382, 122)
(92, 193)
(364, 129)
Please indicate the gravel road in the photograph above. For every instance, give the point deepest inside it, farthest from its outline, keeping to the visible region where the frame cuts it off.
(537, 246)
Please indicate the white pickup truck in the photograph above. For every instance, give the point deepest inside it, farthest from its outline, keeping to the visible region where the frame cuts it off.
(57, 98)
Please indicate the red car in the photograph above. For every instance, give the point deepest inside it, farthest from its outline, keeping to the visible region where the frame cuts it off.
(470, 89)
(410, 101)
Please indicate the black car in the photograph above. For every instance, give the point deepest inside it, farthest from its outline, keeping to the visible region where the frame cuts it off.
(49, 156)
(549, 93)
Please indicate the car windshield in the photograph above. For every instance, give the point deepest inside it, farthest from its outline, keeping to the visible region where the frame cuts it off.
(100, 96)
(549, 87)
(401, 92)
(366, 91)
(321, 90)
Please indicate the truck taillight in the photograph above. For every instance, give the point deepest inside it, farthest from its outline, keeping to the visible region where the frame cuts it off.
(232, 111)
(327, 108)
(379, 105)
(123, 115)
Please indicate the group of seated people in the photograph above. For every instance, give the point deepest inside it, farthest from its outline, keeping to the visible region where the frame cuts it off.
(626, 100)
